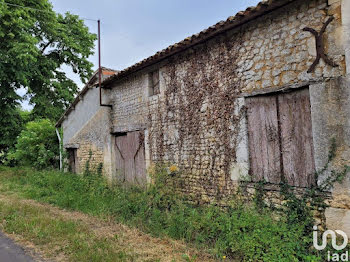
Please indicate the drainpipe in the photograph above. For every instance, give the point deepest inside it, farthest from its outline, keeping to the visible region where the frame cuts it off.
(60, 147)
(99, 63)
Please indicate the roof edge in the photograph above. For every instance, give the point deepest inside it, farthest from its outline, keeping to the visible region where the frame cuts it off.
(79, 96)
(242, 17)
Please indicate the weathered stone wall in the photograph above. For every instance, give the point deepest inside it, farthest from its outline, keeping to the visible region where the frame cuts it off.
(129, 99)
(94, 143)
(275, 51)
(330, 117)
(198, 123)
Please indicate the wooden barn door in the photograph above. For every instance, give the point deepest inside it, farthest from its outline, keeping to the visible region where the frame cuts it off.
(280, 138)
(130, 157)
(263, 134)
(296, 138)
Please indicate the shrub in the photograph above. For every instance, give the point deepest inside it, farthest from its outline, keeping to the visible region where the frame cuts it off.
(37, 145)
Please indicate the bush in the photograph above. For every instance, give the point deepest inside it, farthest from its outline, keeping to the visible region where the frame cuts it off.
(12, 122)
(239, 232)
(37, 145)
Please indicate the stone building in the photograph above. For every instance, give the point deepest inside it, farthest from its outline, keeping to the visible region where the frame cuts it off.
(84, 126)
(261, 96)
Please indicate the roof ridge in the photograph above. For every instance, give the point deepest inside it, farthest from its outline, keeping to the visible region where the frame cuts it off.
(238, 19)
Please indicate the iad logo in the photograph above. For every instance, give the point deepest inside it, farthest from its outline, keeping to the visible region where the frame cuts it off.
(332, 234)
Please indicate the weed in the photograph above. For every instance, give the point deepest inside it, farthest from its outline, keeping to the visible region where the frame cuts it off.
(56, 235)
(239, 232)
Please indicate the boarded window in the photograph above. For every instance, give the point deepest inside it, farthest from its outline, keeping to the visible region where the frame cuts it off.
(154, 88)
(130, 157)
(72, 160)
(280, 138)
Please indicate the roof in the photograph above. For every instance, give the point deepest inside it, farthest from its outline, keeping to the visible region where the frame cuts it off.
(239, 19)
(93, 81)
(242, 17)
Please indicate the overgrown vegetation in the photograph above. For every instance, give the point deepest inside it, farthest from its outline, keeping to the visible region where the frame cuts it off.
(301, 206)
(37, 146)
(200, 107)
(240, 232)
(12, 122)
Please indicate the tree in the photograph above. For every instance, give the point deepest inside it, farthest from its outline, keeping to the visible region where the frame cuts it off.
(33, 48)
(11, 124)
(34, 45)
(37, 145)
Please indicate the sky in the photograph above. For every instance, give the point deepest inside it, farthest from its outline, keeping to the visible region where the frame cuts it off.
(132, 30)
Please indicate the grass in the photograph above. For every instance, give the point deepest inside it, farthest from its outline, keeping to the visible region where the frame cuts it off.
(58, 235)
(239, 233)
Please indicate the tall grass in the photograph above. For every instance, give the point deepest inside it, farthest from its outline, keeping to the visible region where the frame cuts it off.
(56, 235)
(238, 232)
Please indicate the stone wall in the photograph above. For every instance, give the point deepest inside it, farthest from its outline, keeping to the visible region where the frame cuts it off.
(275, 51)
(330, 113)
(129, 100)
(197, 122)
(94, 143)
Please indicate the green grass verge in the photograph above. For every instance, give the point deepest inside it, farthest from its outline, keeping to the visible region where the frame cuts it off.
(57, 235)
(239, 232)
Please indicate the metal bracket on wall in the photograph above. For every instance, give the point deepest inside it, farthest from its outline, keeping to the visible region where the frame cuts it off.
(320, 46)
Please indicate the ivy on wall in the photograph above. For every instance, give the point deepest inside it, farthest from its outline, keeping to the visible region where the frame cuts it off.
(200, 107)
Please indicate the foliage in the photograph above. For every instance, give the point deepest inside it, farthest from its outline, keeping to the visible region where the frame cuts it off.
(34, 46)
(299, 208)
(37, 145)
(11, 124)
(238, 232)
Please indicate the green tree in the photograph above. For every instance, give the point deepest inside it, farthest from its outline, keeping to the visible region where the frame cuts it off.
(11, 124)
(37, 145)
(33, 48)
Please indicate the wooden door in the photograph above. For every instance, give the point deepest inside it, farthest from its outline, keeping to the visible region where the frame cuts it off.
(264, 147)
(280, 138)
(72, 159)
(121, 148)
(296, 138)
(130, 158)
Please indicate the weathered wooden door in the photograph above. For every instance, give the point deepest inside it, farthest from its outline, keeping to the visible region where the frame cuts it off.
(296, 138)
(264, 147)
(72, 160)
(280, 138)
(130, 157)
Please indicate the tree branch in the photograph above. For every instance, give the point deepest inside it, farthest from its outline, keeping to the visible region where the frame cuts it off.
(46, 46)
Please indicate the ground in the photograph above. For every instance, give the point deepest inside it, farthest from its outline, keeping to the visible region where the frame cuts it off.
(11, 252)
(41, 228)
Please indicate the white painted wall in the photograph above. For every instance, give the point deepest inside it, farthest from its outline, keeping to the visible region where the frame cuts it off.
(83, 112)
(346, 30)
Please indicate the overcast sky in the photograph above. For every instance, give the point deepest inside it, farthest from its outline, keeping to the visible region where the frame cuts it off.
(135, 29)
